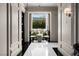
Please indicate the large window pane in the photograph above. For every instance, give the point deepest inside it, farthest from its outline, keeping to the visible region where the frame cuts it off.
(39, 20)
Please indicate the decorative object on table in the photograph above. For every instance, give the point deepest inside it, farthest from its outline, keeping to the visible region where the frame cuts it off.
(34, 32)
(45, 33)
(39, 37)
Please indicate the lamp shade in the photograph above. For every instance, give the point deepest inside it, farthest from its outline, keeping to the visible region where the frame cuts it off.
(67, 12)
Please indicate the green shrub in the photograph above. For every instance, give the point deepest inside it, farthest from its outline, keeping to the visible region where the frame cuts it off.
(39, 23)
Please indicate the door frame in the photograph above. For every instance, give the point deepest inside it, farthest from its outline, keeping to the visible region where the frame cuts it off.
(29, 12)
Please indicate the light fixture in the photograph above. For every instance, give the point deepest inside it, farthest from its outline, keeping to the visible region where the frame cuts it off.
(68, 12)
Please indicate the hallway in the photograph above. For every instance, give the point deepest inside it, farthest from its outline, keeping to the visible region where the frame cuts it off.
(24, 27)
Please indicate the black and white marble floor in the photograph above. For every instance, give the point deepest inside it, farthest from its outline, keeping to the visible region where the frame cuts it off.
(41, 49)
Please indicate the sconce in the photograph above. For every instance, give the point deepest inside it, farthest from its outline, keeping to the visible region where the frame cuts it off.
(68, 12)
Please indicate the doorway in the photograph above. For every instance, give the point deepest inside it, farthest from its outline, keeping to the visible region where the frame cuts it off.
(39, 29)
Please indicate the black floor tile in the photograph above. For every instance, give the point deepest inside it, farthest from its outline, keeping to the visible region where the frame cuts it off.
(57, 52)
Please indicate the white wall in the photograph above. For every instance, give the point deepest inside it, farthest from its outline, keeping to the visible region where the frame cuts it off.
(65, 30)
(3, 29)
(16, 28)
(10, 29)
(54, 26)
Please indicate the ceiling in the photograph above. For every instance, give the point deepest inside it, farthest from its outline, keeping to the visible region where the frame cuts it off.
(40, 4)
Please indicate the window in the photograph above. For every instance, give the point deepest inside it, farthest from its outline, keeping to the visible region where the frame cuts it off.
(39, 20)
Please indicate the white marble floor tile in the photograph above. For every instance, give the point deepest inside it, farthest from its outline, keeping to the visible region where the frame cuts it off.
(41, 49)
